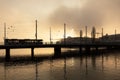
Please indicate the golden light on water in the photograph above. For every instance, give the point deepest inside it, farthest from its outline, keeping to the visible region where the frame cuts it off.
(27, 52)
(44, 51)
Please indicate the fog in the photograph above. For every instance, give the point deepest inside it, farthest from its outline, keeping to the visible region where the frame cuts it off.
(102, 13)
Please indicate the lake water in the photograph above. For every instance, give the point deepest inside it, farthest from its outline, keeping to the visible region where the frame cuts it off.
(100, 66)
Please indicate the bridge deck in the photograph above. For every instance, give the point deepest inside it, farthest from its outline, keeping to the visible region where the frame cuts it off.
(60, 45)
(57, 47)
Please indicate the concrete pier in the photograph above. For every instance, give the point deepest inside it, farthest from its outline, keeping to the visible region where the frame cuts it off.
(96, 49)
(32, 53)
(87, 49)
(57, 51)
(7, 56)
(80, 50)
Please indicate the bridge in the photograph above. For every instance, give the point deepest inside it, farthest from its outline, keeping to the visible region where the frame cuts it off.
(86, 43)
(57, 47)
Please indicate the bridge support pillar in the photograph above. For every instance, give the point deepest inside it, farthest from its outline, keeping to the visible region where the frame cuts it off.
(96, 49)
(32, 53)
(109, 47)
(80, 50)
(87, 49)
(57, 51)
(7, 56)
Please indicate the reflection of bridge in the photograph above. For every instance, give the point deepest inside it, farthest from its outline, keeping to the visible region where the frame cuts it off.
(57, 47)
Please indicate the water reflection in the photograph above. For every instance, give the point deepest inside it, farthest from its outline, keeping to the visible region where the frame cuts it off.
(4, 72)
(65, 69)
(115, 62)
(104, 66)
(94, 61)
(102, 62)
(86, 66)
(36, 69)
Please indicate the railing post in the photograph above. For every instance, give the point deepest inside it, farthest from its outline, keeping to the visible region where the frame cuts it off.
(57, 51)
(7, 57)
(80, 50)
(96, 49)
(87, 49)
(32, 53)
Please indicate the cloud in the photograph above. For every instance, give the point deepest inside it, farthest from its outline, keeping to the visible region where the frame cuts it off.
(93, 13)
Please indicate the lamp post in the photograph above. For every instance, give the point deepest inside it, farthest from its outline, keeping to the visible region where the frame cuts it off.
(86, 34)
(115, 33)
(86, 31)
(102, 33)
(50, 36)
(4, 30)
(36, 29)
(64, 33)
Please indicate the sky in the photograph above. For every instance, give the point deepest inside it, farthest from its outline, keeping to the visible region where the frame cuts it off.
(21, 15)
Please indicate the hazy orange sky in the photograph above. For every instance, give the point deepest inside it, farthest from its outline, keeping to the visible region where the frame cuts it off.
(21, 14)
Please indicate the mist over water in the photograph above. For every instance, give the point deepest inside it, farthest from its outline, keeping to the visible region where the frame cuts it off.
(99, 66)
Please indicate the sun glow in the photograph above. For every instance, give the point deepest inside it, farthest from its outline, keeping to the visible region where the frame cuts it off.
(57, 34)
(70, 33)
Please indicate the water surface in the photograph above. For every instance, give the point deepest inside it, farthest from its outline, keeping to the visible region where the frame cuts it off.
(99, 66)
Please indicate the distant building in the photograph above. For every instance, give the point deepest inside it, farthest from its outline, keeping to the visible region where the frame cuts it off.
(93, 34)
(75, 40)
(79, 40)
(81, 34)
(111, 38)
